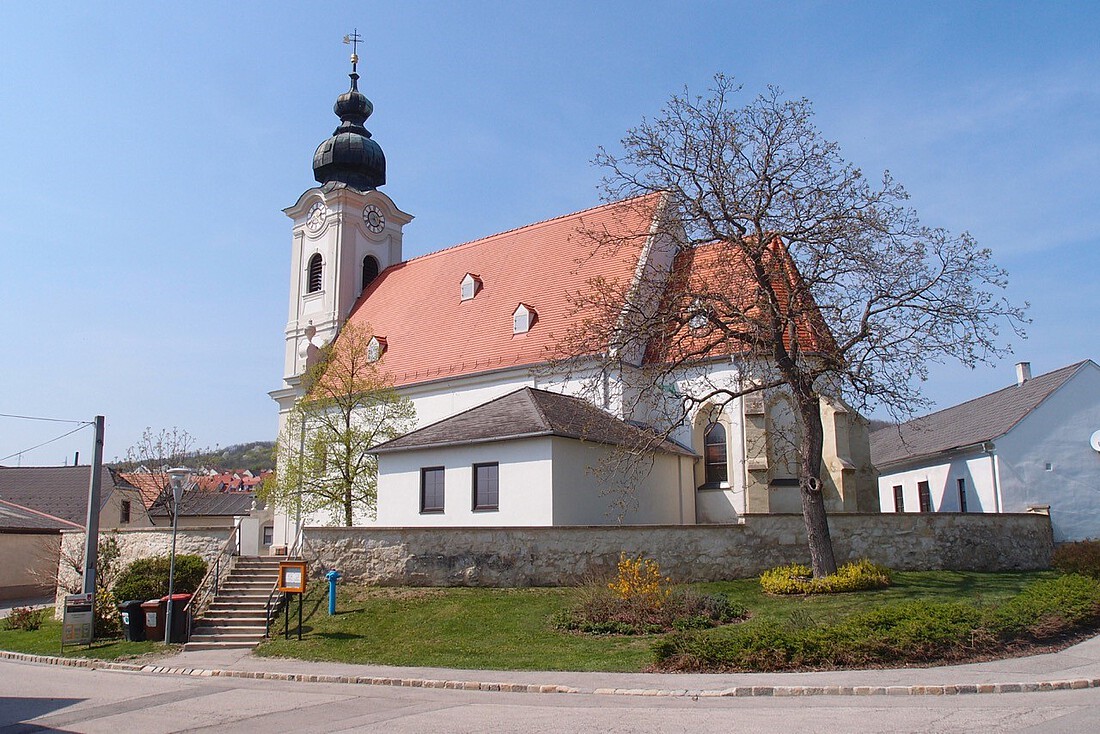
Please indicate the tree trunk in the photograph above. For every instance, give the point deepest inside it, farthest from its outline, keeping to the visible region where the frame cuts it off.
(347, 508)
(809, 482)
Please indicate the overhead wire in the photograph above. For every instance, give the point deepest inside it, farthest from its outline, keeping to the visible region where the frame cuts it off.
(40, 418)
(46, 443)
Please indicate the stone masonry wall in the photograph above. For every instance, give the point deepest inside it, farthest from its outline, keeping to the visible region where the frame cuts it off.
(134, 544)
(552, 556)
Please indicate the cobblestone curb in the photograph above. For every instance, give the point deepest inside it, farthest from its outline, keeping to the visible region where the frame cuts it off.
(460, 685)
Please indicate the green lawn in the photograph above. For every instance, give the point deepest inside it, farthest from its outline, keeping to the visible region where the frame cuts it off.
(510, 629)
(47, 641)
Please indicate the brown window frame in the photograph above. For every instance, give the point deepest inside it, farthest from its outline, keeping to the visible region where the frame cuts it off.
(961, 484)
(899, 498)
(486, 506)
(425, 509)
(924, 496)
(124, 512)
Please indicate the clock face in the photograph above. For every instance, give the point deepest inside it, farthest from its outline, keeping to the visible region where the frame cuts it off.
(316, 218)
(375, 219)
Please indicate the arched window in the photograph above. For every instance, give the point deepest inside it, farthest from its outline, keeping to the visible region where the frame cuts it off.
(714, 454)
(370, 270)
(313, 279)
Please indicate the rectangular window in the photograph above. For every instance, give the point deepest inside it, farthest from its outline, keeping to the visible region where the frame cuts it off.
(962, 495)
(431, 489)
(486, 487)
(899, 498)
(925, 496)
(124, 512)
(269, 534)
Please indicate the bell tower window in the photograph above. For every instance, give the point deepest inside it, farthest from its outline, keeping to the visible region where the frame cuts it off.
(370, 270)
(313, 274)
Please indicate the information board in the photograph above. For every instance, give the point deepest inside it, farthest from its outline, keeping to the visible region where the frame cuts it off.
(78, 621)
(292, 576)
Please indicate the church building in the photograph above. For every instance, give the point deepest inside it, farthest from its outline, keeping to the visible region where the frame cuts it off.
(468, 333)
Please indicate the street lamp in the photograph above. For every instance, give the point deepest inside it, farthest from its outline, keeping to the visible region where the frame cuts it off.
(178, 479)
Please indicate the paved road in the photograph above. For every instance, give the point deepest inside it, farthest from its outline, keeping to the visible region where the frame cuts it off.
(37, 698)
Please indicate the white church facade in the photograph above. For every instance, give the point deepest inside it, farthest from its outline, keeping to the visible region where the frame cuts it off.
(467, 332)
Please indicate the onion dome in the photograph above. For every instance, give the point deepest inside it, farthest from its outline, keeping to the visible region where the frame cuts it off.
(350, 156)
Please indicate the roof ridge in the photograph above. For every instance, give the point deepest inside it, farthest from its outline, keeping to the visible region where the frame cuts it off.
(531, 225)
(1072, 368)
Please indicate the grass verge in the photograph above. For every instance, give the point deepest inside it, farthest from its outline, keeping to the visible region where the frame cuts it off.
(513, 629)
(46, 640)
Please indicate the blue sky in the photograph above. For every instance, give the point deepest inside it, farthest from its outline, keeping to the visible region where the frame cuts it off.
(149, 148)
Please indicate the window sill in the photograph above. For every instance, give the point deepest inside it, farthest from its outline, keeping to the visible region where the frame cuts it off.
(487, 509)
(431, 512)
(713, 486)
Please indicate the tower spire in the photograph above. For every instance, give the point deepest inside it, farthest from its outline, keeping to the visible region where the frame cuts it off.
(350, 156)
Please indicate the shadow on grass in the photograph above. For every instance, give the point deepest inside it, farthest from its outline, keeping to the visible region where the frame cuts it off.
(339, 636)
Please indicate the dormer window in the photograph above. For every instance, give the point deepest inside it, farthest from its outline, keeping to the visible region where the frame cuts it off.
(698, 317)
(471, 284)
(313, 274)
(523, 318)
(376, 347)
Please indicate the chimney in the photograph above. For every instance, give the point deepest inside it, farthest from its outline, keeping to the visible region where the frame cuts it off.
(1023, 372)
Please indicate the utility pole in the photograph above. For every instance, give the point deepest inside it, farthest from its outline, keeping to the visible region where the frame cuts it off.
(91, 528)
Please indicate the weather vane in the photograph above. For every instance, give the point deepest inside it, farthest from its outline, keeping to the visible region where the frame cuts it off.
(354, 38)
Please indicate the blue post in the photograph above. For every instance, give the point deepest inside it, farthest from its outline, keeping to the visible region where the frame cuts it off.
(332, 576)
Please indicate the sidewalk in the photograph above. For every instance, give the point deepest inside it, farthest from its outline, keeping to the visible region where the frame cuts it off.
(1074, 667)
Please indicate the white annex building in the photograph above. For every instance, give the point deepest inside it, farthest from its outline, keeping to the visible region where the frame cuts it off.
(1033, 446)
(466, 332)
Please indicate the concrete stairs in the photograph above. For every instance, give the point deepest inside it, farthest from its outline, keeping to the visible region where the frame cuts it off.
(236, 617)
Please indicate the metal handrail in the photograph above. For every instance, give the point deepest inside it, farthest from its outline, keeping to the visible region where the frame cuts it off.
(215, 574)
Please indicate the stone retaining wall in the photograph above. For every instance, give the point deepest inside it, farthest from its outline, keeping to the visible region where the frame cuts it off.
(551, 556)
(134, 544)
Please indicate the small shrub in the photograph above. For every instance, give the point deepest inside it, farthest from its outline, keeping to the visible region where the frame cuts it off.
(798, 579)
(24, 618)
(147, 578)
(603, 610)
(1082, 557)
(639, 580)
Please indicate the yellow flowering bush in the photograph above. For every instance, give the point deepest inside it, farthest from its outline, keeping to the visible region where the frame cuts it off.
(798, 579)
(639, 579)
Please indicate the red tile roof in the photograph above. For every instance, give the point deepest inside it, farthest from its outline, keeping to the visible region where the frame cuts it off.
(432, 333)
(151, 485)
(718, 273)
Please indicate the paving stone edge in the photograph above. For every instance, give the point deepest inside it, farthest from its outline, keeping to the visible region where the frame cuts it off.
(462, 685)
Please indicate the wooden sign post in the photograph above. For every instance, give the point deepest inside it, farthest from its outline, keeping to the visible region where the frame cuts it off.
(292, 580)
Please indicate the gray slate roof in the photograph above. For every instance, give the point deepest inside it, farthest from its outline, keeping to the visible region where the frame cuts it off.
(528, 413)
(16, 518)
(61, 491)
(975, 421)
(197, 503)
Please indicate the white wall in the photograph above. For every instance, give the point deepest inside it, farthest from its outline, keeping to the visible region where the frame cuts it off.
(1057, 432)
(976, 469)
(525, 479)
(583, 485)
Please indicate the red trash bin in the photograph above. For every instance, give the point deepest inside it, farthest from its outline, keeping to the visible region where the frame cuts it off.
(154, 619)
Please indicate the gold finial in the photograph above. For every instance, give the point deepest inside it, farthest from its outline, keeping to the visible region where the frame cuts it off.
(354, 38)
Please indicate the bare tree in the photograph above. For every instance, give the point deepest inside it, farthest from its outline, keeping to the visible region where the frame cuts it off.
(146, 463)
(350, 405)
(812, 279)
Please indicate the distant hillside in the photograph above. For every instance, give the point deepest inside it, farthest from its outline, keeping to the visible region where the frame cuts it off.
(256, 456)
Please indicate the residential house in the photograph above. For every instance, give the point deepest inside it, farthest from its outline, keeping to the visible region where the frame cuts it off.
(1032, 446)
(30, 544)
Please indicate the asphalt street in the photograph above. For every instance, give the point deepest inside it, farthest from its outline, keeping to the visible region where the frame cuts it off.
(37, 698)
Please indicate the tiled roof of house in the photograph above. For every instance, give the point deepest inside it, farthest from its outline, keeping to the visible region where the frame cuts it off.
(528, 413)
(432, 333)
(197, 503)
(150, 484)
(718, 273)
(17, 518)
(975, 421)
(61, 491)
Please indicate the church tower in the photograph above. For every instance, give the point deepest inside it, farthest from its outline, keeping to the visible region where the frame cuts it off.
(344, 233)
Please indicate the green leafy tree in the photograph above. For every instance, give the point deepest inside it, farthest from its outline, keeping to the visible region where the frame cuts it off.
(349, 406)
